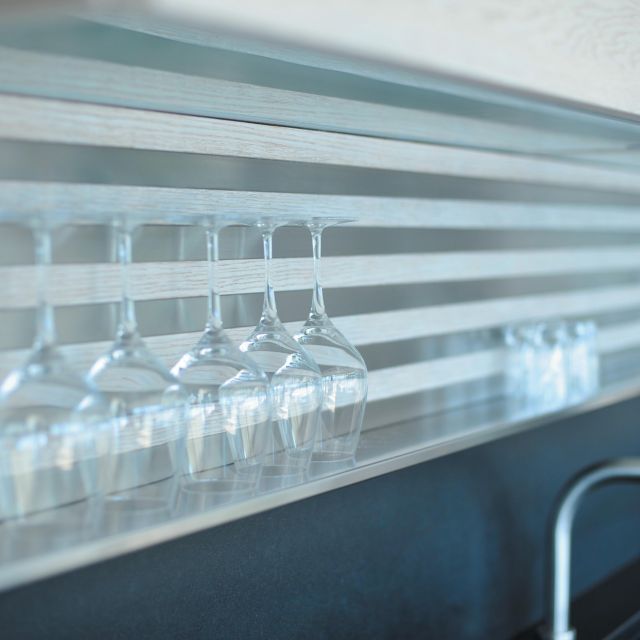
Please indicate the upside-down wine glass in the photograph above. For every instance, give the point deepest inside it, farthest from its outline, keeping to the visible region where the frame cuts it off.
(54, 432)
(295, 385)
(344, 372)
(230, 408)
(148, 405)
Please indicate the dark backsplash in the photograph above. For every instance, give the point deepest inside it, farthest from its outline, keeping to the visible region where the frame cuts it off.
(450, 549)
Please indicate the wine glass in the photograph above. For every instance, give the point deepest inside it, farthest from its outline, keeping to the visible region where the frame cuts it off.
(582, 360)
(230, 408)
(295, 385)
(54, 431)
(344, 373)
(555, 366)
(147, 403)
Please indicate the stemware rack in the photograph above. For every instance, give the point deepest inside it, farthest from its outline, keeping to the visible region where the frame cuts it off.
(473, 209)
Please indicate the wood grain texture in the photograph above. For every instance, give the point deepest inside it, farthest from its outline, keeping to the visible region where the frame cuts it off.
(392, 326)
(578, 50)
(163, 205)
(65, 77)
(44, 120)
(73, 284)
(401, 380)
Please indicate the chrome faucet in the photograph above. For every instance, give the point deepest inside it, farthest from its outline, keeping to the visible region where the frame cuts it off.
(559, 570)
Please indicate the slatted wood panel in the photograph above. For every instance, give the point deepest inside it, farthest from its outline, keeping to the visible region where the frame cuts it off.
(75, 101)
(92, 284)
(578, 50)
(56, 76)
(55, 121)
(82, 203)
(385, 383)
(406, 324)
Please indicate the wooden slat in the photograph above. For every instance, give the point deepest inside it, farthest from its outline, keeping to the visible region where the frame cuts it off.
(95, 202)
(383, 383)
(422, 322)
(99, 283)
(391, 326)
(65, 77)
(619, 338)
(406, 379)
(434, 374)
(570, 50)
(444, 40)
(35, 119)
(73, 284)
(418, 377)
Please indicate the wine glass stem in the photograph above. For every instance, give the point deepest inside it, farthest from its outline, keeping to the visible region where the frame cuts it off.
(128, 323)
(214, 314)
(45, 322)
(181, 312)
(269, 311)
(317, 302)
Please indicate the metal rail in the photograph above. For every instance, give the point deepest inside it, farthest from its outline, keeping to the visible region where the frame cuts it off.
(559, 571)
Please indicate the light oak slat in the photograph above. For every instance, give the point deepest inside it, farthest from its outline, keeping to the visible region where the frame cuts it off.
(44, 120)
(619, 337)
(406, 379)
(576, 50)
(66, 77)
(164, 205)
(403, 380)
(209, 36)
(418, 377)
(390, 326)
(328, 56)
(73, 284)
(98, 283)
(628, 157)
(423, 322)
(423, 376)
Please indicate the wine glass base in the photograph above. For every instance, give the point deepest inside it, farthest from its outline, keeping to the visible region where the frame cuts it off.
(330, 456)
(209, 493)
(45, 489)
(208, 455)
(133, 469)
(61, 527)
(280, 476)
(215, 485)
(329, 462)
(126, 512)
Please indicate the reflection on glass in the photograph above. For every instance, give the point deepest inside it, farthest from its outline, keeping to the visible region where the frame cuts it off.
(295, 386)
(583, 360)
(552, 364)
(230, 410)
(344, 373)
(146, 402)
(53, 433)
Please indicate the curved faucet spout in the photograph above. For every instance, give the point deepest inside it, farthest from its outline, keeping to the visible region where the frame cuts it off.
(559, 571)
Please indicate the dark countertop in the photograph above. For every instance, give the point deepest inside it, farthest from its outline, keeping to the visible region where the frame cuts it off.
(609, 611)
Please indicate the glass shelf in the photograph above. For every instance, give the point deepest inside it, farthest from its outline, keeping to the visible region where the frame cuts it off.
(61, 540)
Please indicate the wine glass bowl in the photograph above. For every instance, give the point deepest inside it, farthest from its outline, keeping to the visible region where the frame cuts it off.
(229, 414)
(344, 387)
(53, 436)
(148, 409)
